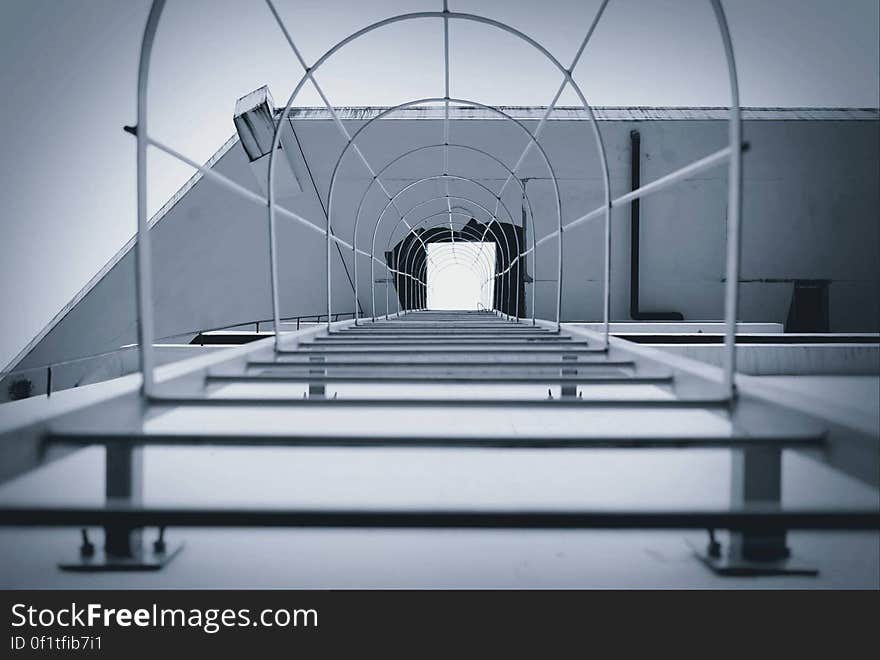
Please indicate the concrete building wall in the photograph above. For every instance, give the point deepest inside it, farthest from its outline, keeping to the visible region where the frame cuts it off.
(810, 212)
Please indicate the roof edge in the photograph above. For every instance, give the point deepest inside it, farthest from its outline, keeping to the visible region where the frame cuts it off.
(602, 113)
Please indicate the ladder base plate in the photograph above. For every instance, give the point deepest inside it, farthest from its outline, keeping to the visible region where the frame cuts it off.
(101, 562)
(726, 566)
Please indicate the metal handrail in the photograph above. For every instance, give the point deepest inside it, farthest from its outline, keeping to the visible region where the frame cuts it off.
(12, 373)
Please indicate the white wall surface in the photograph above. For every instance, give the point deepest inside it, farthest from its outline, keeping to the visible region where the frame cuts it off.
(810, 211)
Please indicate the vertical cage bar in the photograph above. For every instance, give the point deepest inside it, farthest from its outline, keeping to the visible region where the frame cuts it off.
(734, 201)
(143, 251)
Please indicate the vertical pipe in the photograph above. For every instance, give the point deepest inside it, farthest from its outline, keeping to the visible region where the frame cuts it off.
(635, 178)
(635, 312)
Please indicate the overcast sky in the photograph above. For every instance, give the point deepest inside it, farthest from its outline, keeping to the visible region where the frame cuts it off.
(68, 71)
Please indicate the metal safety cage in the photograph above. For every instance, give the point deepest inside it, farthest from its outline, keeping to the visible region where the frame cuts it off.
(730, 155)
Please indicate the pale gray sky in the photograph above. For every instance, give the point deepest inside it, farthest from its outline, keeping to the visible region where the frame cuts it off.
(68, 71)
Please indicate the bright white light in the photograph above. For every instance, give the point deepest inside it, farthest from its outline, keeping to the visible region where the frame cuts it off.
(458, 273)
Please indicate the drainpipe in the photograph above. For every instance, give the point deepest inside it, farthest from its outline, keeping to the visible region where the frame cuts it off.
(635, 142)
